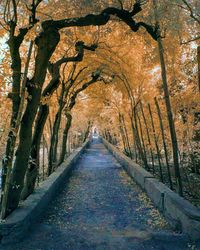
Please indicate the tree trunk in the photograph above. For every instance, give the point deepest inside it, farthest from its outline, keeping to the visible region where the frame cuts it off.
(148, 137)
(87, 131)
(33, 168)
(65, 136)
(126, 137)
(122, 133)
(54, 137)
(142, 138)
(164, 143)
(18, 105)
(156, 144)
(14, 46)
(138, 141)
(47, 43)
(168, 106)
(41, 119)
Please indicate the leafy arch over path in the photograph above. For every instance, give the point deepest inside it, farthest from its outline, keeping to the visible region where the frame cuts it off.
(46, 42)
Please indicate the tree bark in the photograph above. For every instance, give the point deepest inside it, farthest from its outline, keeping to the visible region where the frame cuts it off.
(142, 139)
(122, 133)
(156, 144)
(164, 143)
(148, 137)
(14, 44)
(33, 168)
(137, 138)
(126, 136)
(19, 106)
(87, 131)
(65, 136)
(56, 126)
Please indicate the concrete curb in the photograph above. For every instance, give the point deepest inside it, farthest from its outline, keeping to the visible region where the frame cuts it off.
(180, 213)
(17, 223)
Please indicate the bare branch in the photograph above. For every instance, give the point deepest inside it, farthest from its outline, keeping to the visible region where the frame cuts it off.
(191, 40)
(189, 8)
(80, 47)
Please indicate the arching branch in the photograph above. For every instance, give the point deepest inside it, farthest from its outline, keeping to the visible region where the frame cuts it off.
(102, 19)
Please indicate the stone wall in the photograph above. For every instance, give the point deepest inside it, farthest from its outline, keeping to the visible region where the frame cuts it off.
(180, 213)
(18, 223)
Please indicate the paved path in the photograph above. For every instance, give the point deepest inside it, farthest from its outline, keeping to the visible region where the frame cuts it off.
(101, 208)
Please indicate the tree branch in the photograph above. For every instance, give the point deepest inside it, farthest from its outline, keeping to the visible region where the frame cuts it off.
(189, 8)
(190, 40)
(102, 19)
(80, 47)
(55, 68)
(95, 77)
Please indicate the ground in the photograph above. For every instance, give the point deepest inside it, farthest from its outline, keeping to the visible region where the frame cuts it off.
(100, 207)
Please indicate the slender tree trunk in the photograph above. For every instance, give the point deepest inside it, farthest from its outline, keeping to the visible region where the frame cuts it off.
(53, 144)
(87, 131)
(56, 126)
(156, 144)
(168, 106)
(126, 136)
(142, 138)
(148, 137)
(136, 154)
(122, 133)
(134, 140)
(138, 140)
(164, 143)
(69, 144)
(65, 136)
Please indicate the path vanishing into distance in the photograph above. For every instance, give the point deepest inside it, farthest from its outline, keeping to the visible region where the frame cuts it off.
(100, 207)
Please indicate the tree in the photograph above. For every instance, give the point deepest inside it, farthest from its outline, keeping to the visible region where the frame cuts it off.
(168, 105)
(46, 43)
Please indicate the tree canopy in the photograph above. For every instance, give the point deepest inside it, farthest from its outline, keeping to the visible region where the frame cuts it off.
(128, 69)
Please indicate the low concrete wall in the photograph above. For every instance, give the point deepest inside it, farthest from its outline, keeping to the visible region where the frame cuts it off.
(180, 213)
(16, 224)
